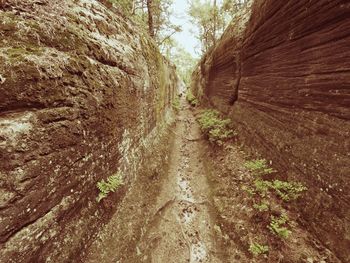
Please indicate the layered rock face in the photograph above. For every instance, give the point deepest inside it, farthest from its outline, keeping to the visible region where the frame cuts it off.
(282, 72)
(82, 94)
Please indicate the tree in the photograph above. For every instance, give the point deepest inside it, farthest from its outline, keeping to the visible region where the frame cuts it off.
(153, 15)
(126, 5)
(163, 27)
(212, 19)
(204, 15)
(215, 21)
(150, 18)
(183, 60)
(232, 6)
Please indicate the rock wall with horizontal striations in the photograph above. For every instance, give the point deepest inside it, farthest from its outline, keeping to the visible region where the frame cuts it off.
(83, 93)
(282, 72)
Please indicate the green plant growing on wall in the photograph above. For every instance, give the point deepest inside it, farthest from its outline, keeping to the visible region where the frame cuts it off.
(176, 104)
(278, 226)
(258, 167)
(217, 129)
(262, 187)
(263, 206)
(249, 190)
(257, 249)
(112, 183)
(288, 191)
(191, 98)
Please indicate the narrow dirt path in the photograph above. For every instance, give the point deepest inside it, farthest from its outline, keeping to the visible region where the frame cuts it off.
(182, 229)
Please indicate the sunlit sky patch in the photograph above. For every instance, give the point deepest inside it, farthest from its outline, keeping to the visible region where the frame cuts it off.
(186, 38)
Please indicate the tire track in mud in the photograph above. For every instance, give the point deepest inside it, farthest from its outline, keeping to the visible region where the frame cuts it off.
(182, 229)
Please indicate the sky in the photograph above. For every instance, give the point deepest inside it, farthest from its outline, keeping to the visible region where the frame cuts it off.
(186, 38)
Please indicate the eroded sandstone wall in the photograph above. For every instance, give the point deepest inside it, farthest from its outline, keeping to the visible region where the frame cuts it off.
(282, 72)
(83, 94)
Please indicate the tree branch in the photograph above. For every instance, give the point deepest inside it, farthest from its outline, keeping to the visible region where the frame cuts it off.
(169, 36)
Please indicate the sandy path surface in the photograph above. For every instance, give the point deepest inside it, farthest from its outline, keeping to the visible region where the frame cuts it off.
(182, 229)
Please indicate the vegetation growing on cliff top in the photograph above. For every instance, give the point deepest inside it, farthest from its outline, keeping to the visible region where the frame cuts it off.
(212, 18)
(184, 61)
(153, 16)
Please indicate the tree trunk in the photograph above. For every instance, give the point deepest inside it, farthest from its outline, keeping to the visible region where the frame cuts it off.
(133, 8)
(215, 22)
(150, 18)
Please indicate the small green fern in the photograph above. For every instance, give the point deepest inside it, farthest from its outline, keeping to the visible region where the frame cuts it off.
(263, 206)
(176, 104)
(215, 127)
(112, 183)
(288, 191)
(191, 98)
(257, 249)
(262, 187)
(278, 226)
(259, 167)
